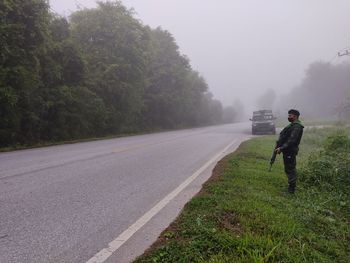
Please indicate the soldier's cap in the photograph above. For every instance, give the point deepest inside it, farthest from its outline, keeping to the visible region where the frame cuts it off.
(294, 112)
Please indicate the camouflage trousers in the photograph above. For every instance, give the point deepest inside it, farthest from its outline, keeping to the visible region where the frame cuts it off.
(290, 163)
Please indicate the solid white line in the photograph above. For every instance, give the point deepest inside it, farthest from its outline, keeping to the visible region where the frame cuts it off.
(113, 246)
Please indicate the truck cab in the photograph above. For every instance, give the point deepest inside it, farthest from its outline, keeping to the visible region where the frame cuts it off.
(263, 122)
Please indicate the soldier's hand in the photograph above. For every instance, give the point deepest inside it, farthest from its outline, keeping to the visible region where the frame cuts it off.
(278, 150)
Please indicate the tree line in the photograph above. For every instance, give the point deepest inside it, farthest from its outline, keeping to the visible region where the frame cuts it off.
(323, 93)
(100, 72)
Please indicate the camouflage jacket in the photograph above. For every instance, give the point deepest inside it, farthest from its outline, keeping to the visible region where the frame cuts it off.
(290, 137)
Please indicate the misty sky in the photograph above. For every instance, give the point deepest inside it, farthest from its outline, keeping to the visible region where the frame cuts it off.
(244, 47)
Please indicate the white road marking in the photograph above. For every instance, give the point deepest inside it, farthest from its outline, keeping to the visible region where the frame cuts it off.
(114, 245)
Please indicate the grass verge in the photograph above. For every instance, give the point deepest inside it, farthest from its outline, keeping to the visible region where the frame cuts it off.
(243, 214)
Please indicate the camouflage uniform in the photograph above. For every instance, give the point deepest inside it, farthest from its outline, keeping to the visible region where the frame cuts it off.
(288, 142)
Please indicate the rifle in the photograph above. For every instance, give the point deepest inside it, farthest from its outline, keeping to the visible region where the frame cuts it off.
(273, 158)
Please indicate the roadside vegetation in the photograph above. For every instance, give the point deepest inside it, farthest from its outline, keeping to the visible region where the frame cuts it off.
(244, 213)
(281, 122)
(100, 72)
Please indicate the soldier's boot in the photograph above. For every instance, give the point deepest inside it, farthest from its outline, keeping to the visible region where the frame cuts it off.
(291, 188)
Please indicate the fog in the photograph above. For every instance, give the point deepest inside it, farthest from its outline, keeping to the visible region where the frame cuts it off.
(247, 49)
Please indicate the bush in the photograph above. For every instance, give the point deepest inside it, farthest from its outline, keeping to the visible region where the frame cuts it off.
(330, 167)
(337, 143)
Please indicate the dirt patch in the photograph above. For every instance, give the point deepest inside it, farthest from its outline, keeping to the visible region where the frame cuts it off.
(231, 223)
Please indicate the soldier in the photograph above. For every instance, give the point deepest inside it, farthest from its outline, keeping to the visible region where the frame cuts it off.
(288, 144)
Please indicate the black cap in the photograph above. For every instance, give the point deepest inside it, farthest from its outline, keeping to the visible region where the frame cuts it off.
(294, 112)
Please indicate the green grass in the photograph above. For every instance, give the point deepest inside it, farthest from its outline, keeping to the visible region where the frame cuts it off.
(244, 214)
(281, 123)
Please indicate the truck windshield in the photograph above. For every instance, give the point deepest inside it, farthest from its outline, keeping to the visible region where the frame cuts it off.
(262, 117)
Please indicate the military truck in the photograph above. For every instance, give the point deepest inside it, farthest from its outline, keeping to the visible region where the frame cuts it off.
(263, 122)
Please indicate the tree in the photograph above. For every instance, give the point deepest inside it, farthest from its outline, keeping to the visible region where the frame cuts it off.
(343, 110)
(229, 114)
(321, 92)
(168, 76)
(176, 95)
(115, 47)
(238, 107)
(23, 32)
(70, 110)
(101, 72)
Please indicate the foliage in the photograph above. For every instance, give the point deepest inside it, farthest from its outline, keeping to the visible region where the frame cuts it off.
(324, 92)
(330, 167)
(229, 114)
(343, 109)
(23, 31)
(99, 73)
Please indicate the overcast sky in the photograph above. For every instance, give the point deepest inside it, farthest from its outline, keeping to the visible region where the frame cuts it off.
(244, 47)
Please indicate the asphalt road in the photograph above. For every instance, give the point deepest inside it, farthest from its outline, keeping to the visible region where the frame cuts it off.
(67, 203)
